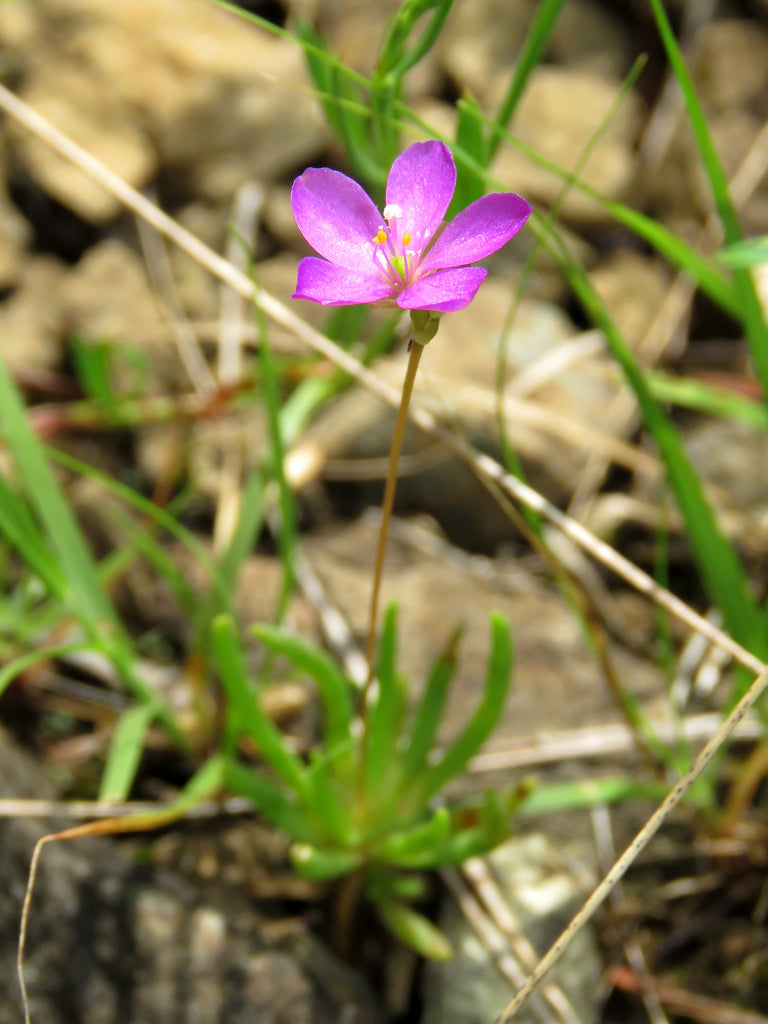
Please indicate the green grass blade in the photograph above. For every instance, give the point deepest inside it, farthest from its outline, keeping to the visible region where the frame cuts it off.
(160, 517)
(485, 718)
(43, 492)
(125, 750)
(230, 657)
(270, 384)
(396, 60)
(547, 13)
(333, 686)
(249, 522)
(471, 139)
(579, 796)
(18, 665)
(23, 534)
(749, 253)
(751, 310)
(717, 560)
(707, 398)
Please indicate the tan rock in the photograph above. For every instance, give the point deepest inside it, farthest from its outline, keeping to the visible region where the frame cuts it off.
(91, 118)
(591, 35)
(481, 41)
(177, 83)
(107, 295)
(557, 117)
(15, 233)
(31, 321)
(633, 287)
(729, 63)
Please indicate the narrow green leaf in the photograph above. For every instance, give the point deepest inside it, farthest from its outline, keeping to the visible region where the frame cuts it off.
(566, 796)
(18, 665)
(536, 42)
(230, 657)
(385, 714)
(430, 711)
(92, 361)
(414, 930)
(271, 802)
(485, 718)
(322, 796)
(333, 686)
(471, 139)
(249, 522)
(415, 847)
(125, 750)
(23, 533)
(751, 312)
(708, 398)
(53, 511)
(749, 253)
(717, 560)
(323, 865)
(396, 59)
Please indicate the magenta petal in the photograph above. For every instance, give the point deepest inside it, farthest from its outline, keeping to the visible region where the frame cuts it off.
(335, 216)
(421, 182)
(481, 229)
(444, 292)
(332, 285)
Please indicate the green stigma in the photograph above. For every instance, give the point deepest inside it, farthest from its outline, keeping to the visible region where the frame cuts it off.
(398, 265)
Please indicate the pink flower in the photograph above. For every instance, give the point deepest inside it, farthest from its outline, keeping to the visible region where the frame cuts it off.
(408, 257)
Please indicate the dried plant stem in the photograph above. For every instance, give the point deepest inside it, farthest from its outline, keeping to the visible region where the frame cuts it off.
(387, 505)
(637, 845)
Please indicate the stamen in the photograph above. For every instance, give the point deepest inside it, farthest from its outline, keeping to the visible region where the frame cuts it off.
(380, 237)
(407, 238)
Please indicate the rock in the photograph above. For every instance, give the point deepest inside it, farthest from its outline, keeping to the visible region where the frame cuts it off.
(15, 232)
(456, 380)
(557, 682)
(557, 117)
(633, 287)
(169, 85)
(729, 63)
(110, 940)
(107, 296)
(472, 49)
(31, 319)
(543, 886)
(724, 455)
(89, 116)
(591, 35)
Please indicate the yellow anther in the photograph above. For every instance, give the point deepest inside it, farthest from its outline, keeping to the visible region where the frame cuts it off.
(407, 238)
(380, 237)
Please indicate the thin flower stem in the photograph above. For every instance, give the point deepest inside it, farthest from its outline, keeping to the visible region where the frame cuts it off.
(387, 505)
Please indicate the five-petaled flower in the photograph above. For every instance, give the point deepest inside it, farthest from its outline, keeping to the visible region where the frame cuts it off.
(408, 257)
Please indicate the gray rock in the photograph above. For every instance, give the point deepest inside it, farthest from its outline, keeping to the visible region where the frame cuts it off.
(542, 889)
(112, 941)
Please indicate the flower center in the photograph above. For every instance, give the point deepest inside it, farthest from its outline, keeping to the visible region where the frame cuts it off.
(395, 259)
